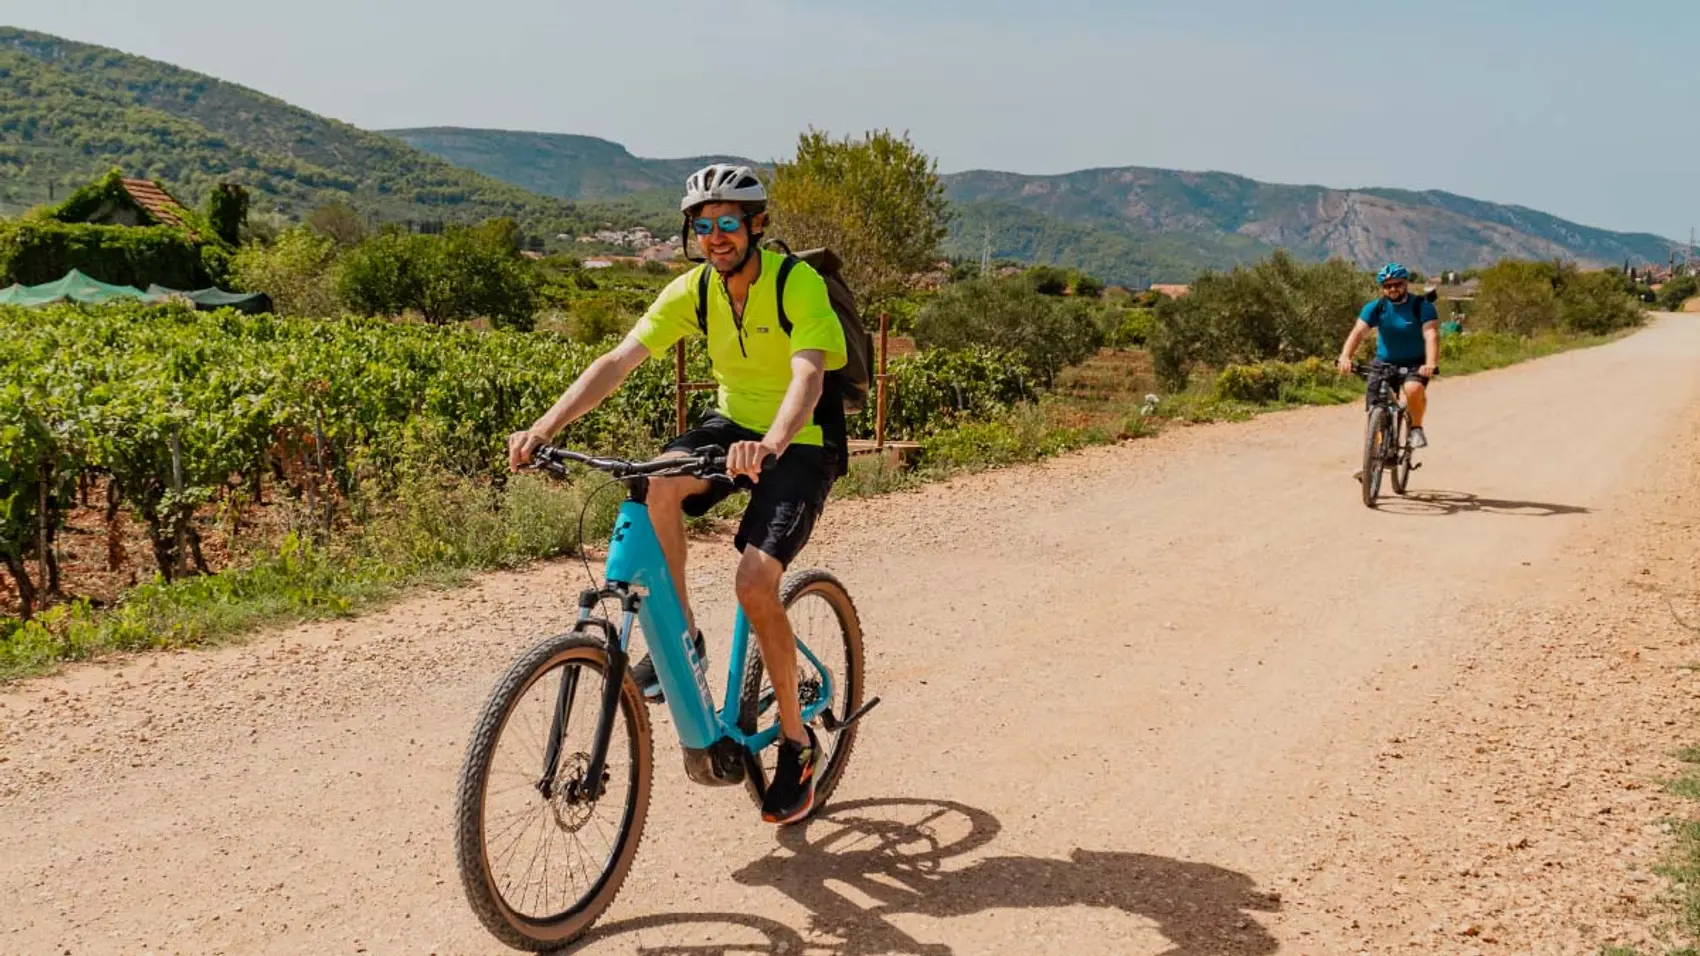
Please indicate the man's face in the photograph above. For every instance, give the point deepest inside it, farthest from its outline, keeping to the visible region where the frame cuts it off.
(723, 233)
(1394, 289)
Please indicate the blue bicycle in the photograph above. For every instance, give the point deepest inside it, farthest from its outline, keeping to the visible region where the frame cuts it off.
(555, 787)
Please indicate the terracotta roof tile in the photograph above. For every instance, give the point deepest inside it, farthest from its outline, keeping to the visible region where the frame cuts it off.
(156, 201)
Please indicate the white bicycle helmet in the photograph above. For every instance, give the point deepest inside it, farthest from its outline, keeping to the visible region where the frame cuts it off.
(722, 182)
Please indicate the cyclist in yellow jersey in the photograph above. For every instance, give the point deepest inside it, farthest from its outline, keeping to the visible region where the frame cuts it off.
(775, 400)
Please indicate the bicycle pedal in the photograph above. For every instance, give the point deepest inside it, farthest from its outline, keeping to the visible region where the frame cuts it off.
(833, 725)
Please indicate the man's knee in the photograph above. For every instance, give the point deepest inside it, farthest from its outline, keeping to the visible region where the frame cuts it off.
(668, 495)
(757, 582)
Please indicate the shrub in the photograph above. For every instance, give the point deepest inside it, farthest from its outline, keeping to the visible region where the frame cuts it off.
(298, 272)
(1312, 381)
(937, 388)
(1279, 309)
(34, 251)
(1673, 294)
(1516, 297)
(227, 211)
(1126, 328)
(1048, 333)
(1024, 434)
(465, 273)
(1596, 303)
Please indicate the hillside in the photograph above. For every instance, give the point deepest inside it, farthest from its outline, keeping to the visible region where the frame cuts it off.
(70, 111)
(555, 164)
(1129, 224)
(1219, 216)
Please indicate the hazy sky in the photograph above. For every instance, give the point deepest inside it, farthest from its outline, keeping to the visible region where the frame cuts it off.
(1573, 108)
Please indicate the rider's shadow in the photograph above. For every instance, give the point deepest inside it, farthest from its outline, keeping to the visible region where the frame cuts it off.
(1420, 503)
(894, 867)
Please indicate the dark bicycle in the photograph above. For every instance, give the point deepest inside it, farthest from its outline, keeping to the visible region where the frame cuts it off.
(1387, 432)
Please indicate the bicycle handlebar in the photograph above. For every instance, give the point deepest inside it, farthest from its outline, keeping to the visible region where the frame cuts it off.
(1362, 371)
(707, 463)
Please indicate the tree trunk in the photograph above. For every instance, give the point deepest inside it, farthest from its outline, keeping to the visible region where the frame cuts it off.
(195, 551)
(114, 534)
(53, 589)
(26, 588)
(163, 555)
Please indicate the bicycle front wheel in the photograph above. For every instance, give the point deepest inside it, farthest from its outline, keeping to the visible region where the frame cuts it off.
(824, 618)
(1375, 454)
(541, 852)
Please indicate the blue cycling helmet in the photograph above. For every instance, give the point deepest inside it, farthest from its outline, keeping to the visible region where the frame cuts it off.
(1392, 270)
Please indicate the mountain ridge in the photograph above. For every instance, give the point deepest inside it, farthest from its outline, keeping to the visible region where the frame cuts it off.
(1139, 223)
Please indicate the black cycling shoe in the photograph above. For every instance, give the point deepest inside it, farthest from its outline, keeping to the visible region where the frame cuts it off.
(644, 673)
(790, 794)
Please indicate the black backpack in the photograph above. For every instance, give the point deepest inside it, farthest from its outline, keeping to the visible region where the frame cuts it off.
(855, 377)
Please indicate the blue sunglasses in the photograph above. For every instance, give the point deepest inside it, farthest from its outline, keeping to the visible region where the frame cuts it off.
(727, 224)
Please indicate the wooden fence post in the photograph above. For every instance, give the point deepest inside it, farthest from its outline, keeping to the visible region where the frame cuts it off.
(880, 386)
(679, 385)
(41, 527)
(179, 564)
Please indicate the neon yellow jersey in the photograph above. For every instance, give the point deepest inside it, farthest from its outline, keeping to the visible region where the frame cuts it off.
(753, 373)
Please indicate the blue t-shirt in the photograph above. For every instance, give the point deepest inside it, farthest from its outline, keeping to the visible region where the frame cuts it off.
(1399, 328)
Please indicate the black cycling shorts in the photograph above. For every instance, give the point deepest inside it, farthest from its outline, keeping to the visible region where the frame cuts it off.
(784, 504)
(1381, 371)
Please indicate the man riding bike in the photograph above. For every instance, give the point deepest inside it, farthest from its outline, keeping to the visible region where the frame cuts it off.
(775, 401)
(1407, 334)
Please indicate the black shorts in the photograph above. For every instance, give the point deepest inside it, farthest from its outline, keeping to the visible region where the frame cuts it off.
(784, 505)
(1389, 372)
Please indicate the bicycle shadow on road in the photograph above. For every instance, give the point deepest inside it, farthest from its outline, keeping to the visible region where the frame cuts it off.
(860, 863)
(1440, 503)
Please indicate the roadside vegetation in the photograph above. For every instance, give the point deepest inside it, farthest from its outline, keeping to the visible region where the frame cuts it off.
(173, 478)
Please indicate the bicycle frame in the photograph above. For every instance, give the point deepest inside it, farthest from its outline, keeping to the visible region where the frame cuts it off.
(715, 746)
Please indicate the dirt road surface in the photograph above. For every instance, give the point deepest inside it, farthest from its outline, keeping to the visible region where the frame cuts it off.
(1185, 696)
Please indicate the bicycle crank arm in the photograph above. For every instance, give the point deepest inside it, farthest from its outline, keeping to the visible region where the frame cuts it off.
(833, 725)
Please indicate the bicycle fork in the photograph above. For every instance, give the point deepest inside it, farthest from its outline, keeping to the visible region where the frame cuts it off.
(595, 781)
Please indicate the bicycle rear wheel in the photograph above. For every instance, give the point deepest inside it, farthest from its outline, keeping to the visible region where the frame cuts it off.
(824, 618)
(1375, 454)
(1401, 452)
(539, 859)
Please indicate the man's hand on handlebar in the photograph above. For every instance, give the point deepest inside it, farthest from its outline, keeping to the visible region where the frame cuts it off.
(747, 458)
(520, 447)
(1344, 364)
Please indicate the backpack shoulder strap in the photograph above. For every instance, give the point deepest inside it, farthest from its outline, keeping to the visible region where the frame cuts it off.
(702, 299)
(785, 267)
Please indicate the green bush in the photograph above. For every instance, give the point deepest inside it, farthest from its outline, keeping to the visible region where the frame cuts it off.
(297, 271)
(34, 251)
(1597, 303)
(1126, 328)
(1673, 294)
(1279, 309)
(465, 273)
(1312, 381)
(935, 389)
(1516, 297)
(1024, 434)
(1047, 332)
(227, 212)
